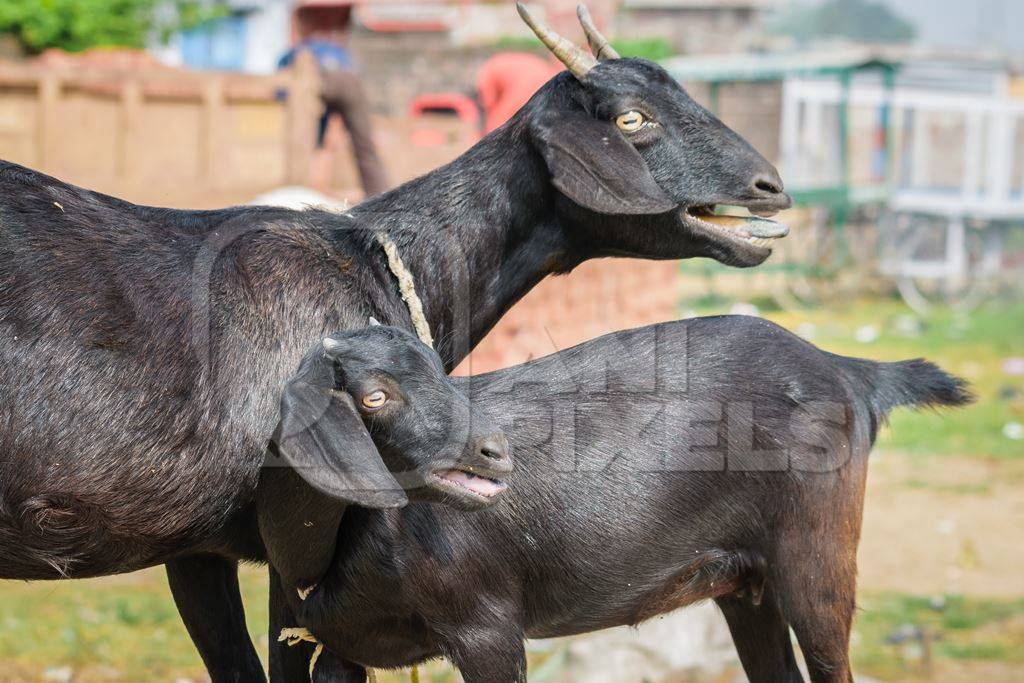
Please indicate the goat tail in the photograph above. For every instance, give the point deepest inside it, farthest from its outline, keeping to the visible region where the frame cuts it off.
(917, 383)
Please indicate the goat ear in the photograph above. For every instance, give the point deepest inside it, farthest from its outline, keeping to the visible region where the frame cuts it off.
(596, 167)
(322, 437)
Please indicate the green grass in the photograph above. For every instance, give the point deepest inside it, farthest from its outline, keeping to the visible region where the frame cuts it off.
(125, 624)
(957, 627)
(972, 345)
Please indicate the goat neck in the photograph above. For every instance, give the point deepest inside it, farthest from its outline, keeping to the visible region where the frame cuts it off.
(477, 235)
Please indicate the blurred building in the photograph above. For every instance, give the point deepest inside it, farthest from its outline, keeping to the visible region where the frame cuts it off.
(697, 26)
(251, 38)
(256, 32)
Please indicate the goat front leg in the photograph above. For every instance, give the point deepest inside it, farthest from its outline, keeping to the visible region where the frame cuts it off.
(288, 664)
(489, 654)
(205, 589)
(299, 528)
(333, 669)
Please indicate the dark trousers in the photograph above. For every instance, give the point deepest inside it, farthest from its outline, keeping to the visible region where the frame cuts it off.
(342, 93)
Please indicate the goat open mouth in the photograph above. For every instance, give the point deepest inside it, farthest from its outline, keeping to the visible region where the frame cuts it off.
(464, 481)
(755, 231)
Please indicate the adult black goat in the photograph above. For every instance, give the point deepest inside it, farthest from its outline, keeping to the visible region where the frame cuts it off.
(142, 350)
(719, 458)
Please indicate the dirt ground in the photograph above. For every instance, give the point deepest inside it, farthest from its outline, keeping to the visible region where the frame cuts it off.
(944, 525)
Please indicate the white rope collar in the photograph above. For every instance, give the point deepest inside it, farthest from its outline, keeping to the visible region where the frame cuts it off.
(407, 288)
(406, 284)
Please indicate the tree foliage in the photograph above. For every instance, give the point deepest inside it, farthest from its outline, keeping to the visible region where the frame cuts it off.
(861, 20)
(76, 25)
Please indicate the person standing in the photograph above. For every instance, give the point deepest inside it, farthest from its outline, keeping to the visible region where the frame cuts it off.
(342, 93)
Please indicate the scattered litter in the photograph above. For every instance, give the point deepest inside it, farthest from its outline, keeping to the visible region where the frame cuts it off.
(905, 633)
(57, 204)
(946, 527)
(744, 308)
(968, 557)
(807, 330)
(58, 674)
(866, 334)
(1013, 431)
(909, 325)
(1013, 366)
(1008, 392)
(938, 602)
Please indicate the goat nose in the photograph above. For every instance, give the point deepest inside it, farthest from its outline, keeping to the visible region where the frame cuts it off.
(494, 447)
(767, 192)
(770, 184)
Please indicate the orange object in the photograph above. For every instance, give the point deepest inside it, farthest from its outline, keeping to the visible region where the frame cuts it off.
(507, 81)
(451, 104)
(456, 103)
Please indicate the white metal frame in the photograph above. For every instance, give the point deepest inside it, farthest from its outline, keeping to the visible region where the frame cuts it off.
(994, 125)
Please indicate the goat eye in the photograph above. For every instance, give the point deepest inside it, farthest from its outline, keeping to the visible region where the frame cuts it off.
(631, 121)
(375, 399)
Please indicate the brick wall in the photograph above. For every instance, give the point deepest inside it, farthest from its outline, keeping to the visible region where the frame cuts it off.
(598, 297)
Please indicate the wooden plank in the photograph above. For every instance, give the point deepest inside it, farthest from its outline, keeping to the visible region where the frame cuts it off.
(129, 132)
(49, 127)
(303, 108)
(212, 143)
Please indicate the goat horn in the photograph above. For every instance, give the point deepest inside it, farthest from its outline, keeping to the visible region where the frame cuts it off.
(599, 45)
(576, 60)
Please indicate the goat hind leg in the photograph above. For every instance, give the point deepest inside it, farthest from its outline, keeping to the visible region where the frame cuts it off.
(761, 637)
(819, 602)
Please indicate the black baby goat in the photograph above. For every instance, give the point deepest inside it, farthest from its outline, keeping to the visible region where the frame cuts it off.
(719, 458)
(372, 416)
